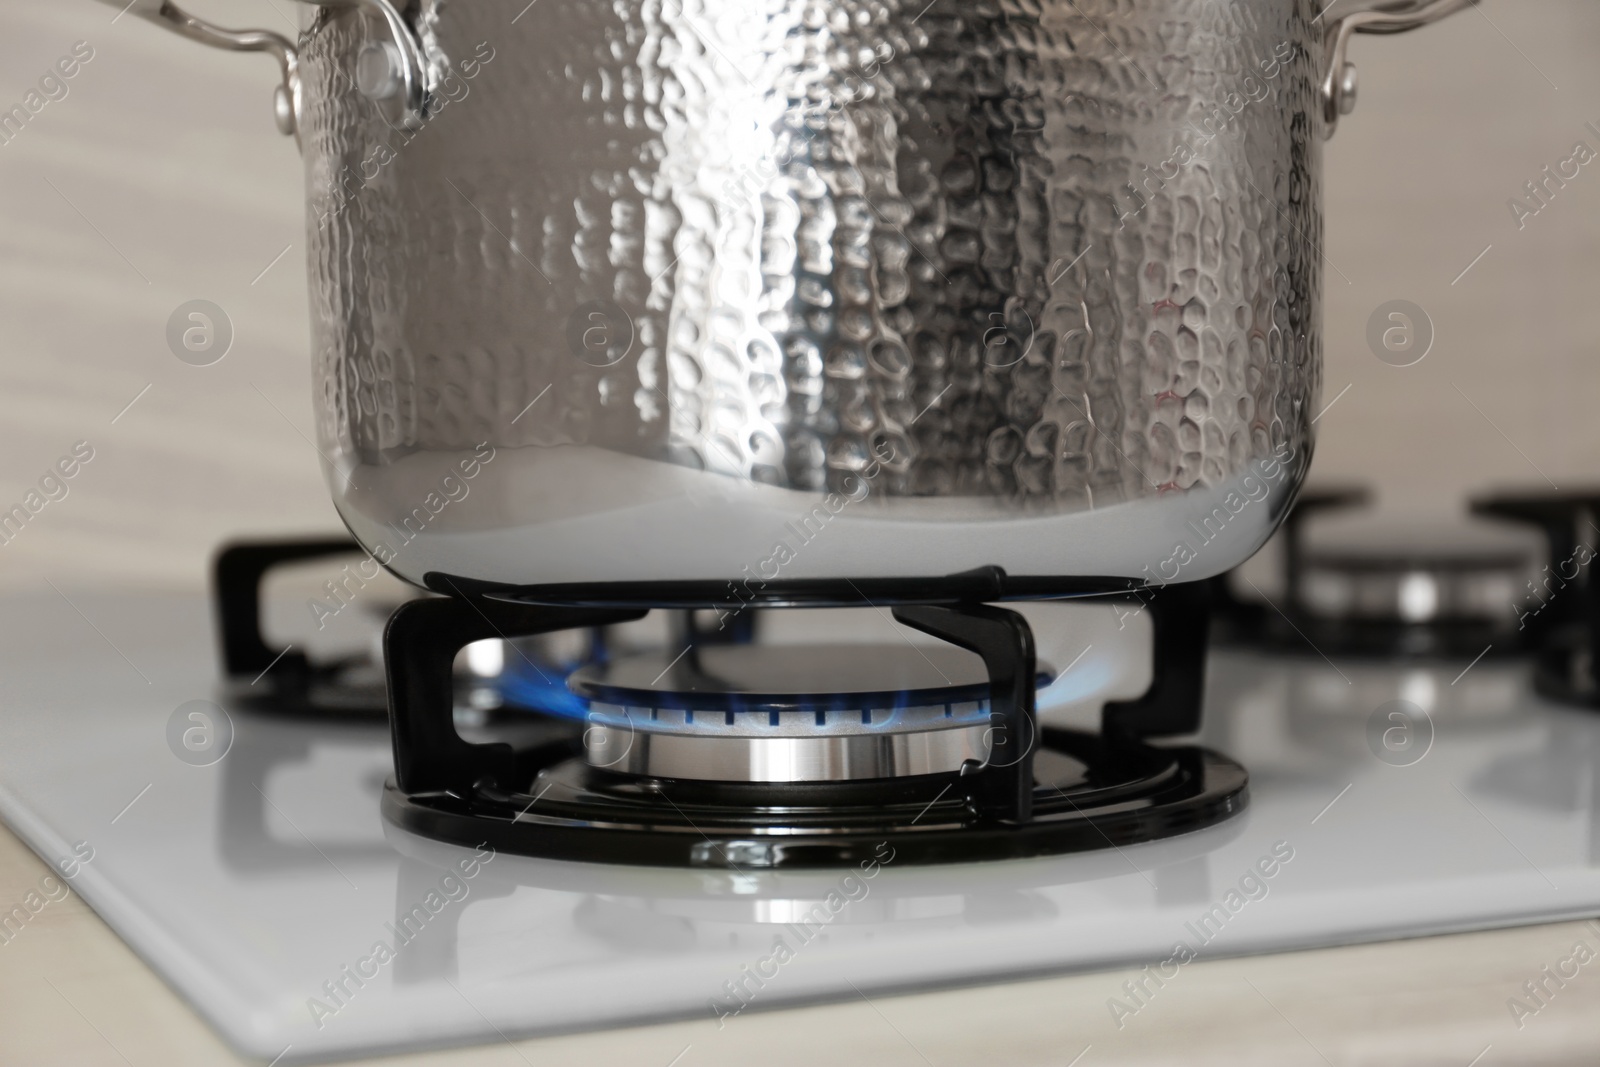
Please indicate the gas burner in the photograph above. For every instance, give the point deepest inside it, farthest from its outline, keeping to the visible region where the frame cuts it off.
(1558, 610)
(729, 758)
(1387, 591)
(746, 713)
(1426, 597)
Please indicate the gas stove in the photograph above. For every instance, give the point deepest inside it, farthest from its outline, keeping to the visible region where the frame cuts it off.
(747, 755)
(643, 804)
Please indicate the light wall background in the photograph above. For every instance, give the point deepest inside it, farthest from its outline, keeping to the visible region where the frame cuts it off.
(161, 179)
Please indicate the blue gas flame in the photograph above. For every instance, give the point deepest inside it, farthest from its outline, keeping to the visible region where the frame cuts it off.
(537, 684)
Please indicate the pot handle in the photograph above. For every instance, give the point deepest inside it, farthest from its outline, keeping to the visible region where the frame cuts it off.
(1339, 82)
(401, 65)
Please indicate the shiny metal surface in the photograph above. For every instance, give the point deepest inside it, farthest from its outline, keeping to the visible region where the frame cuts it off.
(1027, 285)
(802, 722)
(808, 262)
(401, 55)
(788, 713)
(974, 266)
(1415, 590)
(807, 686)
(804, 758)
(1357, 567)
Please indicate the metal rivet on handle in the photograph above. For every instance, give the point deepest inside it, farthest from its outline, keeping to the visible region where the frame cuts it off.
(1347, 89)
(378, 70)
(283, 110)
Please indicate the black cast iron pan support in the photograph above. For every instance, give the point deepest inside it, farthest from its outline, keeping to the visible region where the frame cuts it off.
(236, 576)
(424, 636)
(420, 645)
(451, 789)
(1565, 627)
(1180, 616)
(1246, 620)
(1003, 787)
(1172, 706)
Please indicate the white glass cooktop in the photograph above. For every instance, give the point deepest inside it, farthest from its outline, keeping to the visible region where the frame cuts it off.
(266, 889)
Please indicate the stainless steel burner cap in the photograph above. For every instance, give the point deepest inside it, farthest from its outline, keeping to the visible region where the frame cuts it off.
(1416, 574)
(798, 713)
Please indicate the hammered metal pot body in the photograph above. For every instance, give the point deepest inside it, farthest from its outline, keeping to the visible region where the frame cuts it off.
(735, 288)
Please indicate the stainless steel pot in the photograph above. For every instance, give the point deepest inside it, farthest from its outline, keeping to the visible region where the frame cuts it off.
(722, 289)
